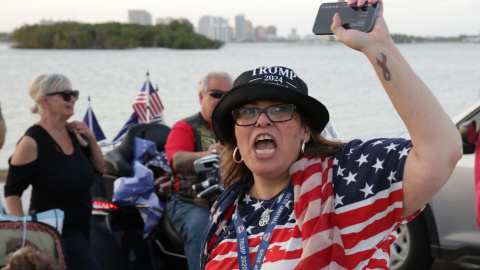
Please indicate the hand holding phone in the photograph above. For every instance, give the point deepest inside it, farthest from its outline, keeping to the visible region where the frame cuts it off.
(359, 18)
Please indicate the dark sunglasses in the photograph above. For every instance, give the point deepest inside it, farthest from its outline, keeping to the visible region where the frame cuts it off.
(66, 94)
(216, 93)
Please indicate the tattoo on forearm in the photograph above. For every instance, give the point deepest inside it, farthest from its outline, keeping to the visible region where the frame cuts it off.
(184, 163)
(383, 65)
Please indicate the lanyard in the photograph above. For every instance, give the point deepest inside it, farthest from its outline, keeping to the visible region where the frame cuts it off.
(242, 238)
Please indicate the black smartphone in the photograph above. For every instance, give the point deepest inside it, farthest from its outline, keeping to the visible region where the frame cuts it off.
(359, 18)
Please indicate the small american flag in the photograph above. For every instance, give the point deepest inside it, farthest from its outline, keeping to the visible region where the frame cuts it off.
(143, 103)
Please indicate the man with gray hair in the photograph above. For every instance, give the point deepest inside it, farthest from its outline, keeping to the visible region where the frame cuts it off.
(190, 139)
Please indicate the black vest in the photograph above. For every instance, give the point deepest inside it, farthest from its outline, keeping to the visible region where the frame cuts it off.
(204, 137)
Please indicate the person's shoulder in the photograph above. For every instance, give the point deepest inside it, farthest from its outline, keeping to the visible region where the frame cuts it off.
(35, 130)
(359, 144)
(26, 151)
(192, 117)
(27, 141)
(180, 133)
(358, 150)
(181, 124)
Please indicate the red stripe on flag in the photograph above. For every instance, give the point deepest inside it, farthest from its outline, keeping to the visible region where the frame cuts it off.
(141, 112)
(324, 258)
(153, 100)
(155, 105)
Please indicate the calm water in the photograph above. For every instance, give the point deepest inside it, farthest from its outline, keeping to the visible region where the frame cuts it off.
(338, 76)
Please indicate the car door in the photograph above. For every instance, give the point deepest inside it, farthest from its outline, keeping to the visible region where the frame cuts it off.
(454, 206)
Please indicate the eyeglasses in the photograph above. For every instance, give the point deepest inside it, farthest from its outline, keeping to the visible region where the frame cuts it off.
(216, 93)
(66, 94)
(276, 113)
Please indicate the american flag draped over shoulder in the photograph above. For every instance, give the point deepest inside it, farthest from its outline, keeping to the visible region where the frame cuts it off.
(148, 98)
(347, 208)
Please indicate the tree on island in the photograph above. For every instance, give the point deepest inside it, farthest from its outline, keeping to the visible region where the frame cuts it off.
(179, 34)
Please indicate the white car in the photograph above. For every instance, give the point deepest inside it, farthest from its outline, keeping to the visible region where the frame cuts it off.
(447, 228)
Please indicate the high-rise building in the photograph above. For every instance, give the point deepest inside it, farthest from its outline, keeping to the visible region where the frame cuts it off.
(216, 28)
(260, 33)
(271, 32)
(204, 25)
(249, 35)
(240, 31)
(140, 17)
(293, 35)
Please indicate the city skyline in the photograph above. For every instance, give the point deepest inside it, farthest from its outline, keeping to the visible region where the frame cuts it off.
(421, 18)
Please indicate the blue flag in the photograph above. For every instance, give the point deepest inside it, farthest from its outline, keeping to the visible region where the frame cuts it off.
(139, 189)
(143, 150)
(130, 122)
(92, 123)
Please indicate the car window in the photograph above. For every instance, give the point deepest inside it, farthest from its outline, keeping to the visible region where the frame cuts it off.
(476, 117)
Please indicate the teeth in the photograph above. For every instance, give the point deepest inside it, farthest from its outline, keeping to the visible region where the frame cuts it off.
(264, 152)
(264, 137)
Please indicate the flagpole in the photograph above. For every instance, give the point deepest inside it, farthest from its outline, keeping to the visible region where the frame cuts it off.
(162, 120)
(147, 86)
(90, 120)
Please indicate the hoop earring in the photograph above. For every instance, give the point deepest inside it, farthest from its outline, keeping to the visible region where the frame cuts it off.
(234, 152)
(303, 147)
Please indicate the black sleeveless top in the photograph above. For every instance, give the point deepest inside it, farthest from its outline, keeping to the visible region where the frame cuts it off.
(58, 180)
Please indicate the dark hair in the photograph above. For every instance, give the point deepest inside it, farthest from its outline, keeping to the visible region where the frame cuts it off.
(317, 146)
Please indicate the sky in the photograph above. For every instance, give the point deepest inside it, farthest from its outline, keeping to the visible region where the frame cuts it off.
(410, 17)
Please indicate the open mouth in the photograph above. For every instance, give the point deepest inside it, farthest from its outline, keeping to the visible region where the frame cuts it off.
(264, 145)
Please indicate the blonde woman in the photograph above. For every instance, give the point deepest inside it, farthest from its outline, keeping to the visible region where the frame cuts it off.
(60, 165)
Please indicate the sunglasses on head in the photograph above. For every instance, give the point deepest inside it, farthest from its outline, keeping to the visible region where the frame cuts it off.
(66, 94)
(216, 93)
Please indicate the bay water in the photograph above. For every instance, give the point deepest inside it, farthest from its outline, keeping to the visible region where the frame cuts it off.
(338, 76)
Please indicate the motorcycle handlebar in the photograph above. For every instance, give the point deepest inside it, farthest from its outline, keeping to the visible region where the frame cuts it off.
(205, 184)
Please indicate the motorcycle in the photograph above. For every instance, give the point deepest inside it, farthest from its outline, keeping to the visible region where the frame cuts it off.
(117, 231)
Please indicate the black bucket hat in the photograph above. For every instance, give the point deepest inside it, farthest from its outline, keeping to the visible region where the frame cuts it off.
(267, 83)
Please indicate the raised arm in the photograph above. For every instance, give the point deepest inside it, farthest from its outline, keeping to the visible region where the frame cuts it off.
(436, 141)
